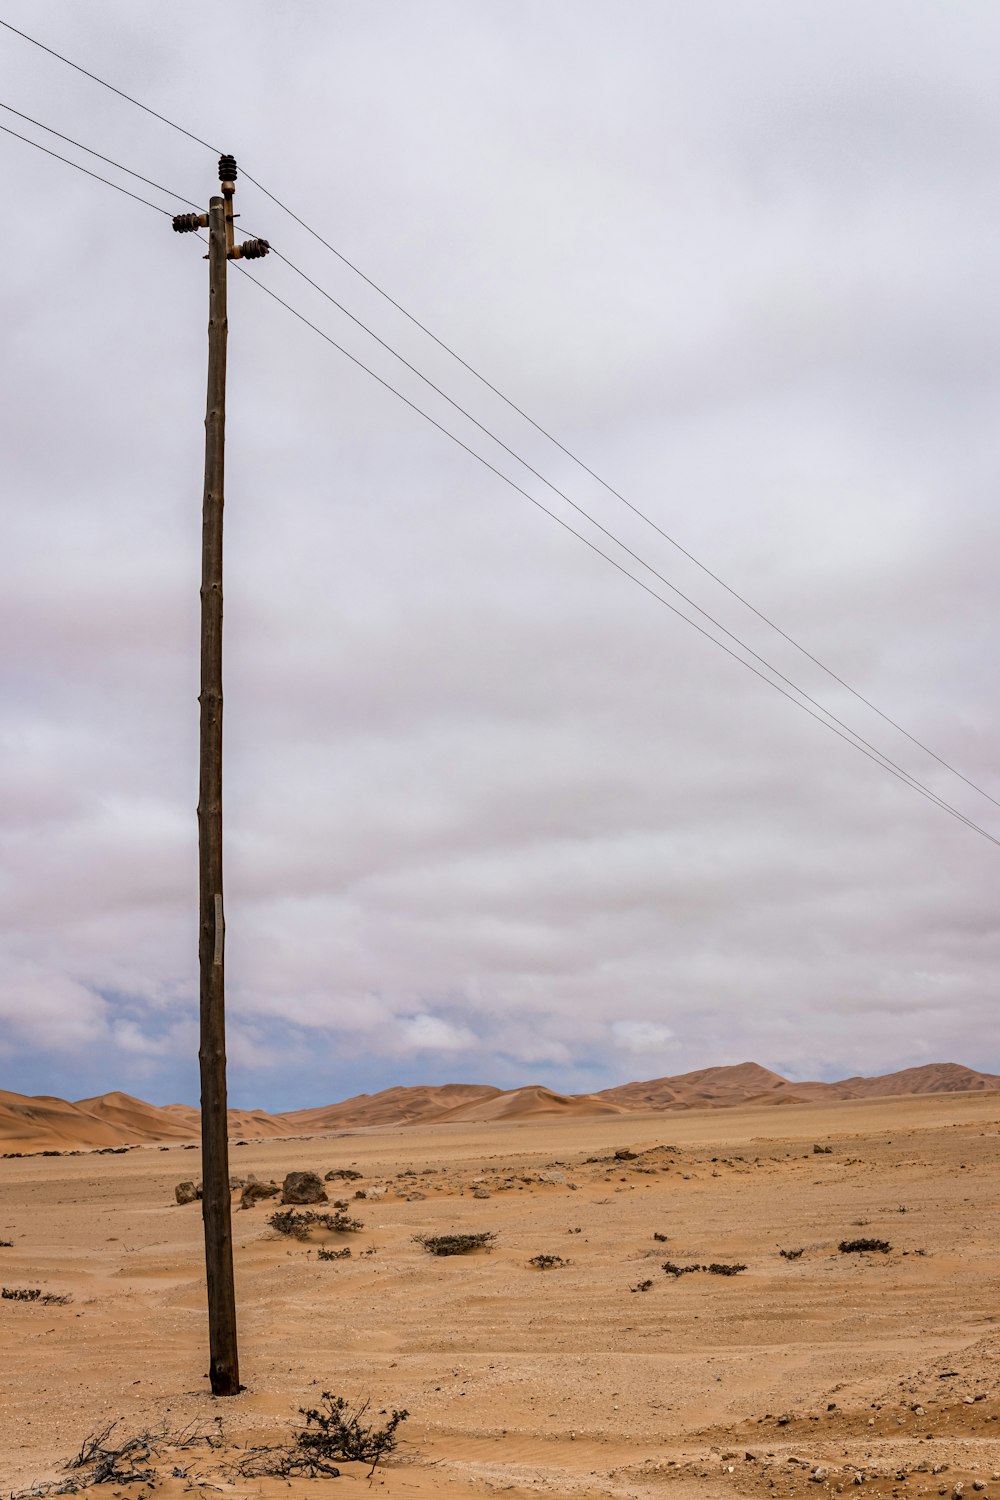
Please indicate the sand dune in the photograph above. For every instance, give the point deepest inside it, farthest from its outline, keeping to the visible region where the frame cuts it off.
(529, 1103)
(397, 1106)
(43, 1123)
(136, 1121)
(47, 1124)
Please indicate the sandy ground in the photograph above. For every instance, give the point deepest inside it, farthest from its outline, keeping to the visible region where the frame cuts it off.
(878, 1369)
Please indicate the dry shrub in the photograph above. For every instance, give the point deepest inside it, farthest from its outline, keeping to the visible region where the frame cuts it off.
(852, 1247)
(34, 1294)
(108, 1459)
(716, 1268)
(300, 1223)
(456, 1244)
(332, 1431)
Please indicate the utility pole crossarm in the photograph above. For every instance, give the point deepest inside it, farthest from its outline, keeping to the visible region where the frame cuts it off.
(216, 1203)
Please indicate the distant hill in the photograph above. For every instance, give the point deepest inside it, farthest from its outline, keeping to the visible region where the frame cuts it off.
(48, 1124)
(750, 1084)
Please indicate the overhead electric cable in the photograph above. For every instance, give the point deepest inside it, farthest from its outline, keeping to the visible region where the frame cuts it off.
(824, 716)
(72, 141)
(164, 119)
(734, 593)
(593, 520)
(106, 85)
(96, 175)
(850, 737)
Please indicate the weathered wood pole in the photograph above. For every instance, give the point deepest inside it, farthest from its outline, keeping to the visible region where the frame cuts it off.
(224, 1369)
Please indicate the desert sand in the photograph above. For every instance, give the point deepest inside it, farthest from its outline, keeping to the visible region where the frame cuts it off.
(877, 1368)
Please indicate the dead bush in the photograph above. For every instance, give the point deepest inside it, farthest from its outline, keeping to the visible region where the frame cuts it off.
(34, 1294)
(547, 1262)
(110, 1459)
(300, 1223)
(455, 1244)
(332, 1431)
(853, 1247)
(344, 1254)
(792, 1254)
(715, 1268)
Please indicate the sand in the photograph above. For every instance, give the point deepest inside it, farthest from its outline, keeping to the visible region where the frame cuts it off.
(561, 1382)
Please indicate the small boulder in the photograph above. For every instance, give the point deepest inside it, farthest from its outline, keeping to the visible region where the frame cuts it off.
(255, 1191)
(303, 1187)
(187, 1192)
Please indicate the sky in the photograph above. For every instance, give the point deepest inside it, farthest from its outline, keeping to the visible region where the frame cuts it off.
(493, 812)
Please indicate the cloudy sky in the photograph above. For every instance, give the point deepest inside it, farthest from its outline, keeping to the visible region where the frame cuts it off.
(493, 812)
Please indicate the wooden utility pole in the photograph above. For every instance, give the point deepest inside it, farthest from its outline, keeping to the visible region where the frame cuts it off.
(216, 1211)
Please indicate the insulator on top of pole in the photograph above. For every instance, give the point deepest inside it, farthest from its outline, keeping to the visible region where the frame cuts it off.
(250, 250)
(227, 168)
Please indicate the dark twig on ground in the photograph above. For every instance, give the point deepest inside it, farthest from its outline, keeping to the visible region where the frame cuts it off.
(715, 1268)
(104, 1458)
(300, 1223)
(456, 1244)
(34, 1294)
(332, 1431)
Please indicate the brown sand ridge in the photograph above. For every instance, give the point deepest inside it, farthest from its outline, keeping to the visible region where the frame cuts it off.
(529, 1103)
(39, 1124)
(812, 1375)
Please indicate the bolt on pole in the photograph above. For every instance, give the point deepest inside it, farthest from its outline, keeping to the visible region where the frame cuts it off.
(216, 1209)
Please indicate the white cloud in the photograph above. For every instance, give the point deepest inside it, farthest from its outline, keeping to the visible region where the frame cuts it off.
(643, 1039)
(427, 1033)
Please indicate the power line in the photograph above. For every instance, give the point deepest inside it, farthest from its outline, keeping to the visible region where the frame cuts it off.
(849, 737)
(618, 496)
(105, 85)
(824, 716)
(520, 412)
(593, 520)
(96, 175)
(72, 141)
